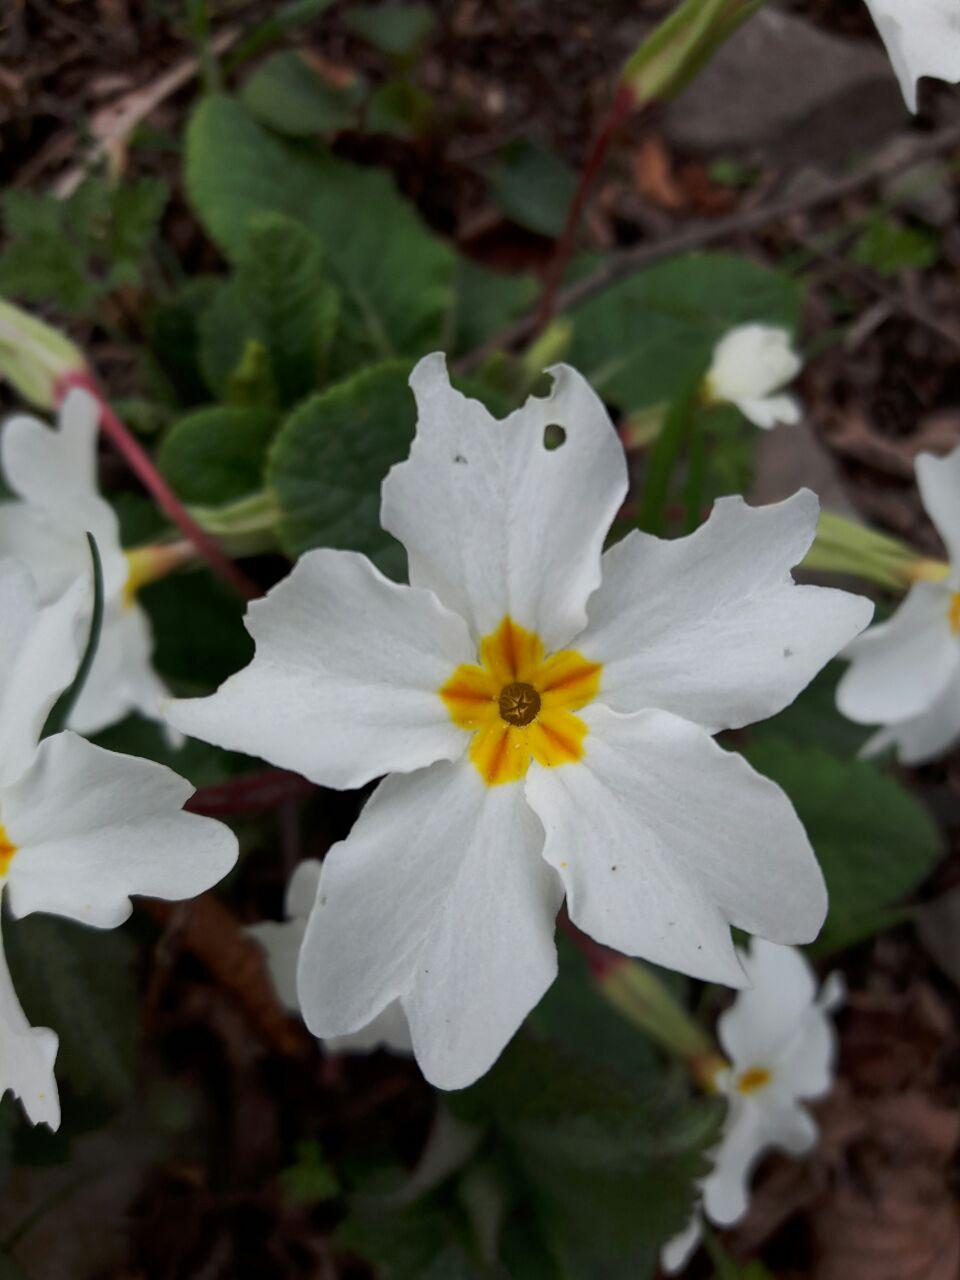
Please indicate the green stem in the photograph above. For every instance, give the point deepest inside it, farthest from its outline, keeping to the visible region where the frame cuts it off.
(60, 713)
(696, 465)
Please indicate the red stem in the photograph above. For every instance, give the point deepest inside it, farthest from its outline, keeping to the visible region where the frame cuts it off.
(623, 103)
(141, 464)
(600, 959)
(249, 793)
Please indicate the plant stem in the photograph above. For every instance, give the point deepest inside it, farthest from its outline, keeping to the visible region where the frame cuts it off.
(141, 464)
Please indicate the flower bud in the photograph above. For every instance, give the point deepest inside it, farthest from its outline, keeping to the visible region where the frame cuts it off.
(34, 357)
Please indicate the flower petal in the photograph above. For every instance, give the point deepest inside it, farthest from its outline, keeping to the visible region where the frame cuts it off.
(764, 1019)
(712, 626)
(55, 472)
(926, 736)
(678, 1251)
(922, 39)
(663, 839)
(40, 649)
(900, 668)
(438, 898)
(27, 1056)
(750, 362)
(938, 480)
(771, 411)
(726, 1189)
(344, 685)
(122, 678)
(494, 521)
(92, 827)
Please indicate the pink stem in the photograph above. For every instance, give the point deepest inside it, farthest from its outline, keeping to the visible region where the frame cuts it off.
(623, 103)
(249, 793)
(141, 464)
(600, 959)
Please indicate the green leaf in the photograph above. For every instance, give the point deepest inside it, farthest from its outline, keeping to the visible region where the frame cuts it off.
(310, 1180)
(486, 302)
(287, 94)
(533, 186)
(643, 341)
(421, 1243)
(280, 297)
(395, 29)
(874, 841)
(396, 277)
(198, 630)
(329, 460)
(217, 455)
(887, 246)
(174, 338)
(399, 108)
(79, 981)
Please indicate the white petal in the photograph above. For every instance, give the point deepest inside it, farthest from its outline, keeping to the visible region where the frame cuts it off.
(766, 1016)
(926, 736)
(302, 890)
(922, 39)
(750, 362)
(40, 650)
(712, 626)
(662, 839)
(726, 1189)
(344, 683)
(92, 827)
(122, 678)
(938, 480)
(55, 472)
(388, 1030)
(900, 668)
(771, 411)
(439, 898)
(55, 558)
(676, 1253)
(27, 1056)
(496, 523)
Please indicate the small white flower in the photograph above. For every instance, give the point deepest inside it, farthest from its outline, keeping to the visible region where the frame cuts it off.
(750, 365)
(904, 674)
(922, 39)
(546, 735)
(281, 943)
(54, 475)
(781, 1043)
(80, 828)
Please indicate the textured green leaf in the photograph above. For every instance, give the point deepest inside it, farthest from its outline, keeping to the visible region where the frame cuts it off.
(395, 276)
(174, 338)
(198, 630)
(79, 981)
(874, 841)
(329, 460)
(281, 297)
(533, 186)
(217, 455)
(486, 302)
(288, 95)
(644, 340)
(395, 29)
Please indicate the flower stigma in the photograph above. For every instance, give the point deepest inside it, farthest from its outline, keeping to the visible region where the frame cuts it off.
(753, 1080)
(7, 850)
(519, 703)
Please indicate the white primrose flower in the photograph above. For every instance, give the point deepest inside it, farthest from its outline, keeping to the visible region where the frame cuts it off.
(750, 365)
(54, 475)
(80, 828)
(922, 38)
(545, 734)
(781, 1043)
(904, 674)
(281, 943)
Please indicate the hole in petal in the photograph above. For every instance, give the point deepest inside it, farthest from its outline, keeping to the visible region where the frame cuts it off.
(554, 435)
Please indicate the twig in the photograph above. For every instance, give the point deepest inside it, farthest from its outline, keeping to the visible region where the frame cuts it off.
(699, 235)
(141, 464)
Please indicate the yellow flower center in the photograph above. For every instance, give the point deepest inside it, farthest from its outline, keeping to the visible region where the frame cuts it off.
(953, 613)
(753, 1080)
(7, 850)
(519, 704)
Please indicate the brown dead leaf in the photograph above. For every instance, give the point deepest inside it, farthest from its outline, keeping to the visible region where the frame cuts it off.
(854, 435)
(653, 174)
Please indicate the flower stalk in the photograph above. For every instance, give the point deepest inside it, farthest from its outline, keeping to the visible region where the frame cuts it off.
(844, 546)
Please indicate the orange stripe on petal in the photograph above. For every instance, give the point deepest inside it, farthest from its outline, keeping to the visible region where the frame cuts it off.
(511, 653)
(568, 680)
(556, 738)
(471, 697)
(500, 753)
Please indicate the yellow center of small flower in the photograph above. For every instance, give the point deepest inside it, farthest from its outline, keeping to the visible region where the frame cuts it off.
(953, 613)
(753, 1080)
(7, 850)
(519, 704)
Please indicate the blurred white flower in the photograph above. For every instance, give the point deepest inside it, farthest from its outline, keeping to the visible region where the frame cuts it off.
(904, 674)
(781, 1044)
(80, 828)
(54, 475)
(546, 734)
(922, 39)
(282, 941)
(750, 366)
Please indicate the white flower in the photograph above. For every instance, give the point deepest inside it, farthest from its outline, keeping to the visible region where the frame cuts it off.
(922, 39)
(750, 365)
(781, 1043)
(904, 674)
(54, 475)
(80, 828)
(281, 943)
(545, 735)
